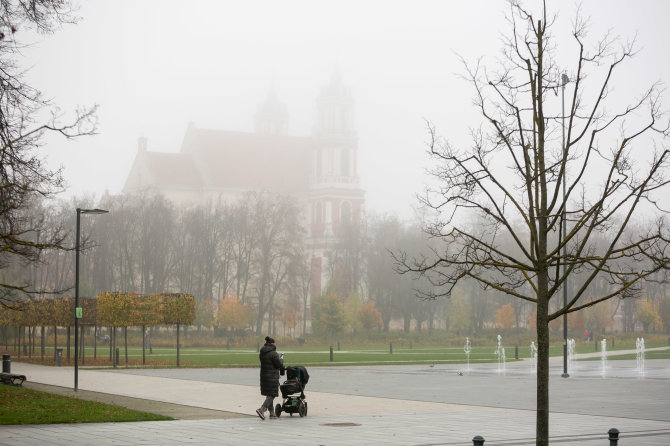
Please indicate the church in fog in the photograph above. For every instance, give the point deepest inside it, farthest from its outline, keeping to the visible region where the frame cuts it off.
(319, 170)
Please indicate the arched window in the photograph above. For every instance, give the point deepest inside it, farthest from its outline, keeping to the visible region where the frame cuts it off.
(345, 212)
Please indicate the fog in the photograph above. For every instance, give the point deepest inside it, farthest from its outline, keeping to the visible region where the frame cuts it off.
(155, 66)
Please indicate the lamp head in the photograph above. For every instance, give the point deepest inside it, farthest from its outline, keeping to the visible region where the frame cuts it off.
(565, 79)
(92, 211)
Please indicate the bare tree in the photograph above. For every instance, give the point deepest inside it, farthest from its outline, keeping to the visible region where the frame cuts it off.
(276, 225)
(156, 222)
(612, 165)
(225, 255)
(385, 288)
(24, 178)
(243, 241)
(346, 260)
(300, 282)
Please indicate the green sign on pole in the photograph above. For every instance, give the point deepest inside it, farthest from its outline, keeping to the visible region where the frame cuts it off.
(78, 312)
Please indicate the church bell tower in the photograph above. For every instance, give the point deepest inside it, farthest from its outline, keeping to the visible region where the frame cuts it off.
(336, 200)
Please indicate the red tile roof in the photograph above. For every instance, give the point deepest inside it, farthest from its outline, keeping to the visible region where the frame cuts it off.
(249, 160)
(173, 169)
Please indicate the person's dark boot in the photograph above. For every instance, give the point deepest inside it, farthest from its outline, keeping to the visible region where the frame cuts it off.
(259, 412)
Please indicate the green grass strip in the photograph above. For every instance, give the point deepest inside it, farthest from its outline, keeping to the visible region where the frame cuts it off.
(19, 405)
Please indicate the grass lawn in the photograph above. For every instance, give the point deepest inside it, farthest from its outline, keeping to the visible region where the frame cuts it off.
(348, 355)
(221, 357)
(19, 405)
(320, 356)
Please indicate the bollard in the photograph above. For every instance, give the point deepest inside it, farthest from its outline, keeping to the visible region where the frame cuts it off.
(331, 353)
(116, 357)
(391, 348)
(6, 364)
(614, 436)
(596, 344)
(59, 357)
(516, 351)
(478, 441)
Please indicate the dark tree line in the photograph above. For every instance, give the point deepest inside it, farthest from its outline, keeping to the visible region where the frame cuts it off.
(253, 248)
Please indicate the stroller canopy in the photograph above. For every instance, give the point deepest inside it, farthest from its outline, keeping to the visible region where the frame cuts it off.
(297, 372)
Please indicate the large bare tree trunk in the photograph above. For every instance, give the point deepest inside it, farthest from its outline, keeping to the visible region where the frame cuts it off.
(542, 421)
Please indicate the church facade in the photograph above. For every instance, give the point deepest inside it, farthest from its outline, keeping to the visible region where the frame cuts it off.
(319, 170)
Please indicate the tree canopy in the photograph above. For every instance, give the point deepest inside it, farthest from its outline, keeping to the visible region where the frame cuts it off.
(520, 210)
(24, 177)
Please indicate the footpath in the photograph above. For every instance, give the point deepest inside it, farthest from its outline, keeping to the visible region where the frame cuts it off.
(398, 405)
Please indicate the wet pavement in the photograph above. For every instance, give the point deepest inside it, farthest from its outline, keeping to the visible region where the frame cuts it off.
(404, 405)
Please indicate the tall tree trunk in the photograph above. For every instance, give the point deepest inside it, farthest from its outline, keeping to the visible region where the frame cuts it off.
(42, 342)
(542, 420)
(177, 345)
(144, 343)
(125, 342)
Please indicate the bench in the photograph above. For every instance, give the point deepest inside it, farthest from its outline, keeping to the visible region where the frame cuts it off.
(12, 378)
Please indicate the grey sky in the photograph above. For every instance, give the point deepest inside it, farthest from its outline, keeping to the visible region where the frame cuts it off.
(155, 66)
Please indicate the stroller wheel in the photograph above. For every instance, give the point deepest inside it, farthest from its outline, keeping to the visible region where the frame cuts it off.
(302, 408)
(278, 410)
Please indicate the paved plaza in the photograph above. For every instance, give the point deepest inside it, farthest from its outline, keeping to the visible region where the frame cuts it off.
(399, 405)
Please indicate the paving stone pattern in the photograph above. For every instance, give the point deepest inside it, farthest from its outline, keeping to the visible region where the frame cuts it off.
(396, 405)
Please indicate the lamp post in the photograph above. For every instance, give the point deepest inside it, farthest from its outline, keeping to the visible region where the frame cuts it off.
(77, 310)
(564, 80)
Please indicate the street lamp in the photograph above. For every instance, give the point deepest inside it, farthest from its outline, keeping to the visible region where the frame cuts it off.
(564, 80)
(77, 310)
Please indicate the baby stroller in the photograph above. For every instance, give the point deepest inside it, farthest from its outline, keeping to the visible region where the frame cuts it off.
(293, 392)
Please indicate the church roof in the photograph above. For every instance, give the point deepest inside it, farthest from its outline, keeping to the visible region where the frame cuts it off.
(249, 160)
(174, 168)
(222, 160)
(158, 170)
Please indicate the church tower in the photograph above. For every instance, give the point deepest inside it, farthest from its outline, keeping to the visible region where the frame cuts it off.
(271, 116)
(335, 197)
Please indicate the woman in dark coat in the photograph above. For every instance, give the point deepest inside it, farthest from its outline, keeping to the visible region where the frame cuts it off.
(271, 367)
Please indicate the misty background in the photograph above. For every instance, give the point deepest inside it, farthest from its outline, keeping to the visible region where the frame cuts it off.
(154, 66)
